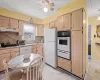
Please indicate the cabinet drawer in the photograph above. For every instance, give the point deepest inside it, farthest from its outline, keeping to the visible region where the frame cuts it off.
(4, 51)
(64, 64)
(14, 50)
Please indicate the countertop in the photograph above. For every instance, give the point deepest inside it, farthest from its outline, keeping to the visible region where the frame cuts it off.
(21, 46)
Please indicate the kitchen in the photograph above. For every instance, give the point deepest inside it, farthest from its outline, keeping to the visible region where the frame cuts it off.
(61, 41)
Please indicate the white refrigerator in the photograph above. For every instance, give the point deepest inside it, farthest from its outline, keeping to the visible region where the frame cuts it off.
(50, 50)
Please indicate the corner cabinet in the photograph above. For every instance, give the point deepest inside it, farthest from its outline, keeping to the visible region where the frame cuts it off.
(77, 53)
(77, 19)
(52, 24)
(39, 30)
(46, 25)
(4, 22)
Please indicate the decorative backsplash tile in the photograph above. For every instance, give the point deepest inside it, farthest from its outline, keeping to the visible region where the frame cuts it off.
(9, 37)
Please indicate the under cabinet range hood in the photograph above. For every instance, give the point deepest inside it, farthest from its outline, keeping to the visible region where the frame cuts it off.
(2, 29)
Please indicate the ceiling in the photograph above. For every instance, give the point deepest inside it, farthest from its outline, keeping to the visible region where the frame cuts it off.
(31, 8)
(93, 7)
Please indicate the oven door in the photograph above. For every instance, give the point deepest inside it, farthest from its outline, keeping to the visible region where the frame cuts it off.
(64, 43)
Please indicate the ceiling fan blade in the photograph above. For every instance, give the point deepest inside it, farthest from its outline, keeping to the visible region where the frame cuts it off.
(47, 1)
(52, 4)
(51, 9)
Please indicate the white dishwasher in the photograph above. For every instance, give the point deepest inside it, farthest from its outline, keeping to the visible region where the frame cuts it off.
(25, 50)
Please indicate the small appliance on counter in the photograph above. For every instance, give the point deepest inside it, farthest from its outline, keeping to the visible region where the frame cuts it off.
(20, 42)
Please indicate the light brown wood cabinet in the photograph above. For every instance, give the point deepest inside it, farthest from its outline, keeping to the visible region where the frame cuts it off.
(77, 19)
(14, 52)
(8, 22)
(46, 25)
(40, 49)
(39, 30)
(64, 63)
(34, 49)
(67, 21)
(4, 22)
(52, 24)
(20, 25)
(13, 23)
(8, 54)
(77, 53)
(4, 54)
(60, 23)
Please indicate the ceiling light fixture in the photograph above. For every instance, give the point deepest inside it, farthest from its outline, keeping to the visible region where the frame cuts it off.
(98, 16)
(45, 9)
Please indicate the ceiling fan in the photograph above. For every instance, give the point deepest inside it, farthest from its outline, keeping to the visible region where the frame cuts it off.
(48, 5)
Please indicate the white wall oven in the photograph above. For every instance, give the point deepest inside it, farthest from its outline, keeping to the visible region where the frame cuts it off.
(63, 44)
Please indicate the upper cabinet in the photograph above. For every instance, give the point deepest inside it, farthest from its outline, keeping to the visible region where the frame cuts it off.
(39, 30)
(8, 22)
(77, 20)
(52, 24)
(20, 23)
(60, 23)
(13, 23)
(67, 21)
(4, 22)
(46, 25)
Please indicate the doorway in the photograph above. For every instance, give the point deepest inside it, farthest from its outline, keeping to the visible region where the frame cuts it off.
(89, 41)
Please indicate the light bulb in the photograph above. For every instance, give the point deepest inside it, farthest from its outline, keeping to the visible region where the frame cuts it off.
(99, 18)
(45, 9)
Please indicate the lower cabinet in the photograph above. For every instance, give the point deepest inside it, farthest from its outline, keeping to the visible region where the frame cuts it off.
(64, 64)
(8, 54)
(4, 54)
(34, 49)
(14, 52)
(38, 48)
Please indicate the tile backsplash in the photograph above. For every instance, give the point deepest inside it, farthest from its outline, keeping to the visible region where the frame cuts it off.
(9, 37)
(6, 37)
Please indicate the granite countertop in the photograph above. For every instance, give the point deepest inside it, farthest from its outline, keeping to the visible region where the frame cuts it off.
(20, 46)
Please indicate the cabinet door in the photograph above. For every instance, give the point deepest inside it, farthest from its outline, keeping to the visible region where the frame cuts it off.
(14, 52)
(46, 25)
(20, 24)
(40, 30)
(77, 54)
(4, 22)
(34, 49)
(67, 21)
(40, 49)
(52, 24)
(13, 23)
(77, 20)
(2, 56)
(60, 23)
(64, 64)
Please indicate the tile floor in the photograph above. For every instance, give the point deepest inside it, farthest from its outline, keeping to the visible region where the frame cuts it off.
(52, 74)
